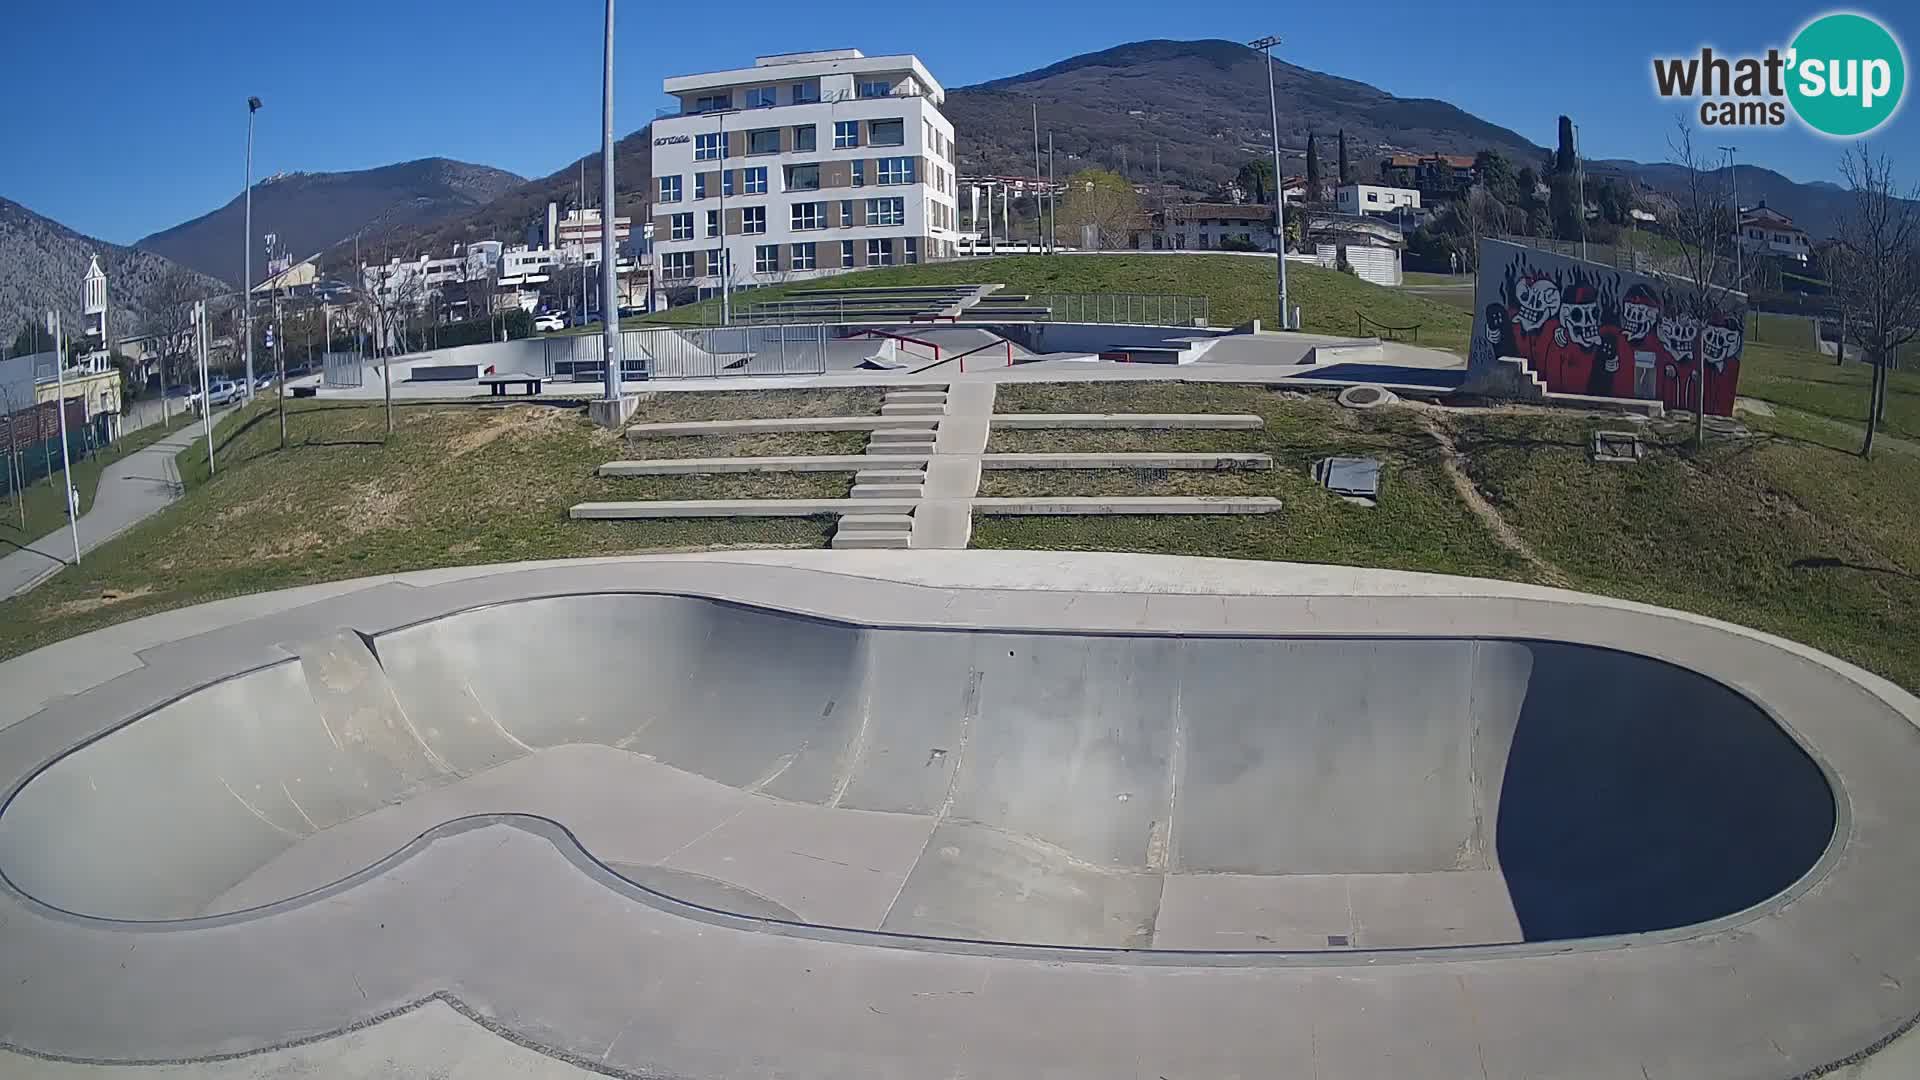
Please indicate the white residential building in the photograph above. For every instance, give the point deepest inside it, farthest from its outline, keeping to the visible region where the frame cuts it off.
(1375, 199)
(803, 165)
(1763, 228)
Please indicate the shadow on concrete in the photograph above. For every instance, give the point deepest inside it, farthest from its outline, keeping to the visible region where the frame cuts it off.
(1639, 796)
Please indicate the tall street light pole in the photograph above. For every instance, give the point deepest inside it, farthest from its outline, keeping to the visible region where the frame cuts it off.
(609, 283)
(246, 286)
(1733, 186)
(1265, 45)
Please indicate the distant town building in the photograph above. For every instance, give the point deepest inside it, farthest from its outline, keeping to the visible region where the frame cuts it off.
(1764, 229)
(1375, 199)
(1370, 245)
(802, 165)
(1437, 176)
(1207, 227)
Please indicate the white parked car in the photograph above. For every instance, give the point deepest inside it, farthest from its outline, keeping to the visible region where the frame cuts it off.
(224, 392)
(552, 320)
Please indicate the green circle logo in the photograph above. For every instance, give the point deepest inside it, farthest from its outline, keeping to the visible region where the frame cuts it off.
(1847, 74)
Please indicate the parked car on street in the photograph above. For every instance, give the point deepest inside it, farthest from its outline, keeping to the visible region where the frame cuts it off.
(552, 320)
(223, 392)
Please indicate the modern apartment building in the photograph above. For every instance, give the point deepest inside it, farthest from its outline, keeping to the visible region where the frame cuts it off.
(803, 165)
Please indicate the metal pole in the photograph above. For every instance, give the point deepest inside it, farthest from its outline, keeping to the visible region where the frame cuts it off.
(609, 283)
(1265, 45)
(1038, 216)
(1733, 186)
(726, 290)
(206, 403)
(1053, 208)
(1580, 170)
(66, 458)
(246, 285)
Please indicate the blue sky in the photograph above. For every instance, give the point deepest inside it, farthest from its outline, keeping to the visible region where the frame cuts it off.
(153, 133)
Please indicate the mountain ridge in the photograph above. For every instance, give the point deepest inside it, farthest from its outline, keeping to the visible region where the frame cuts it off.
(43, 261)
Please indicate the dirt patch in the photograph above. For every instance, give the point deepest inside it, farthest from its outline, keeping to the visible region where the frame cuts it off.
(1454, 462)
(107, 598)
(496, 424)
(372, 506)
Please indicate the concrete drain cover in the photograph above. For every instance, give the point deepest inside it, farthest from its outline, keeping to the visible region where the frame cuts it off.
(1366, 397)
(1621, 446)
(1356, 479)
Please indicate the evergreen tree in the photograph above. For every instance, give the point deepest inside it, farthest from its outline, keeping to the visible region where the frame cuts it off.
(1346, 167)
(1313, 169)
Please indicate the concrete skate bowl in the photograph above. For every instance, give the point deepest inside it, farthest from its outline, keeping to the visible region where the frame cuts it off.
(1070, 790)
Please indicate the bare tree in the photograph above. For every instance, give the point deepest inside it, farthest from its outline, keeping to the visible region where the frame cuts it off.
(169, 319)
(1878, 271)
(1701, 223)
(1103, 203)
(1476, 215)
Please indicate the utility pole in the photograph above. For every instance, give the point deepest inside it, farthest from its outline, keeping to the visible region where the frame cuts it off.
(66, 456)
(206, 404)
(1580, 171)
(246, 285)
(609, 273)
(1265, 45)
(726, 280)
(1053, 207)
(1733, 186)
(1037, 215)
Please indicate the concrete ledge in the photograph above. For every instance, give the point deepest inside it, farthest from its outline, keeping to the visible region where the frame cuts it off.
(611, 414)
(1642, 406)
(1103, 504)
(672, 508)
(876, 522)
(1222, 462)
(793, 463)
(1183, 421)
(775, 424)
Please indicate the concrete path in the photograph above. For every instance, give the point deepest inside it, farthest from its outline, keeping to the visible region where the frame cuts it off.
(131, 489)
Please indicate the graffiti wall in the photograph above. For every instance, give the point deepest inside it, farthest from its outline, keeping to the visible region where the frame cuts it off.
(1584, 328)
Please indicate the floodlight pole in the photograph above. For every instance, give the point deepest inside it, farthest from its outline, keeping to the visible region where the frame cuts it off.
(1265, 45)
(246, 285)
(609, 274)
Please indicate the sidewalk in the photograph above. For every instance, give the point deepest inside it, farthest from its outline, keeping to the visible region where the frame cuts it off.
(130, 489)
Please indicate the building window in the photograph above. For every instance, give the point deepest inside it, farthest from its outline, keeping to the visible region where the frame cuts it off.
(846, 134)
(764, 141)
(670, 189)
(806, 93)
(762, 97)
(804, 136)
(880, 252)
(802, 256)
(680, 227)
(887, 133)
(886, 211)
(877, 88)
(859, 173)
(803, 178)
(713, 223)
(846, 253)
(715, 103)
(896, 170)
(726, 182)
(809, 215)
(717, 262)
(676, 265)
(755, 180)
(706, 147)
(753, 220)
(699, 185)
(766, 259)
(913, 249)
(846, 212)
(1373, 196)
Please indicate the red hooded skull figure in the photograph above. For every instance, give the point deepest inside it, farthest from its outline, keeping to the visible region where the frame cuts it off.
(1639, 317)
(1535, 327)
(1720, 345)
(1579, 342)
(1679, 339)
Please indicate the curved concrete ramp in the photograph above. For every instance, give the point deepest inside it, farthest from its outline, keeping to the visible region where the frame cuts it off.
(1054, 789)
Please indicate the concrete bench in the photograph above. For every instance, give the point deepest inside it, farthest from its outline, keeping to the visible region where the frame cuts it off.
(497, 384)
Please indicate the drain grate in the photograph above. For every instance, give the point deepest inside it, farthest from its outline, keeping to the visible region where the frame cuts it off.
(1352, 477)
(1338, 939)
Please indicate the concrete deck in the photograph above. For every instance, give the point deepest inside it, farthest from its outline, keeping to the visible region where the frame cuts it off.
(643, 891)
(1125, 504)
(679, 508)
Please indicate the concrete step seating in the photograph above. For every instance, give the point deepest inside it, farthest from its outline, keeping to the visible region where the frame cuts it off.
(890, 476)
(886, 491)
(915, 397)
(874, 531)
(911, 408)
(902, 435)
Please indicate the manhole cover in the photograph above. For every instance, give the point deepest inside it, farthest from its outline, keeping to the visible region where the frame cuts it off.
(1354, 477)
(1366, 397)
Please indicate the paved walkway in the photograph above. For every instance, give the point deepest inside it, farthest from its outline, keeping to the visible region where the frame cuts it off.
(131, 489)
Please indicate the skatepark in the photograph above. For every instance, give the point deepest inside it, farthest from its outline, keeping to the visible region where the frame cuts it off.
(1000, 813)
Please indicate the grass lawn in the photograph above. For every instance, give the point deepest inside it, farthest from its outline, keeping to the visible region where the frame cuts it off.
(455, 485)
(1420, 525)
(45, 502)
(1238, 289)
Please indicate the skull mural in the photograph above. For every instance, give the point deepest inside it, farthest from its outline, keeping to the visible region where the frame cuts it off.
(1495, 330)
(1639, 313)
(1539, 301)
(1720, 341)
(1678, 332)
(1580, 316)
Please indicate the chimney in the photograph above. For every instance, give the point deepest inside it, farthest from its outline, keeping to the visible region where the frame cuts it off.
(553, 224)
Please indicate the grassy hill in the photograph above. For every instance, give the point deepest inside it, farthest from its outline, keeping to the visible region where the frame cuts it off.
(1238, 288)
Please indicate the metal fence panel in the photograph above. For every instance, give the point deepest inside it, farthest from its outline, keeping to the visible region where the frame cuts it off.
(340, 370)
(696, 353)
(1129, 309)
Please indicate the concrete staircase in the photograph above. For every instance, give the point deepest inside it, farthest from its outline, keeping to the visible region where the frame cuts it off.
(888, 480)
